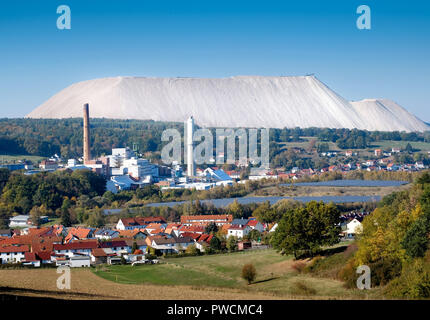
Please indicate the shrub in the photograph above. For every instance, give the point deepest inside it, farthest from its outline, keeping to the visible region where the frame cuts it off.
(385, 270)
(249, 273)
(413, 283)
(301, 288)
(299, 266)
(348, 274)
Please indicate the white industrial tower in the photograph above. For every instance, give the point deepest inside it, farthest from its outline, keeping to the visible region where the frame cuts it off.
(189, 128)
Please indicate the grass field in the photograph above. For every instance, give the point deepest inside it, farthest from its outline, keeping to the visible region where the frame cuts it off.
(276, 276)
(5, 159)
(214, 277)
(388, 144)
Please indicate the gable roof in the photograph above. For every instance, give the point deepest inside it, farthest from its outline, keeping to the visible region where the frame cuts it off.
(76, 245)
(113, 244)
(217, 218)
(14, 249)
(141, 221)
(241, 222)
(98, 252)
(237, 227)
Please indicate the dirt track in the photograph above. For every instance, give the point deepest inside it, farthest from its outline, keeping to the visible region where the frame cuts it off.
(86, 285)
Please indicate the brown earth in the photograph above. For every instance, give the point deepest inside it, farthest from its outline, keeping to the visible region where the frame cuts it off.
(86, 285)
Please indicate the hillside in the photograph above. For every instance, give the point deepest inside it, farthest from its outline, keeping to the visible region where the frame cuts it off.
(242, 101)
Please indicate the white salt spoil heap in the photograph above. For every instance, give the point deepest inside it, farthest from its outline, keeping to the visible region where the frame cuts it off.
(242, 101)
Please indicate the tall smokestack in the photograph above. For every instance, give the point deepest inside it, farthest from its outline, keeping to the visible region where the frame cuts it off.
(189, 124)
(87, 151)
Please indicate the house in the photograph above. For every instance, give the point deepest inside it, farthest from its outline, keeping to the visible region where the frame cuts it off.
(140, 243)
(13, 253)
(419, 165)
(378, 152)
(79, 233)
(173, 229)
(370, 163)
(353, 227)
(154, 228)
(133, 234)
(48, 165)
(199, 229)
(182, 243)
(79, 261)
(98, 256)
(203, 241)
(44, 257)
(106, 234)
(75, 248)
(117, 246)
(219, 220)
(30, 259)
(6, 233)
(164, 245)
(216, 175)
(238, 231)
(243, 245)
(19, 221)
(137, 222)
(256, 225)
(240, 222)
(395, 150)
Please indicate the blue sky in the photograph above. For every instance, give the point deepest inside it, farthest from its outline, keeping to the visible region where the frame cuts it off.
(216, 38)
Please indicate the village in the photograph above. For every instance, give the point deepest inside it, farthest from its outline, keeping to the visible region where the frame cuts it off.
(135, 240)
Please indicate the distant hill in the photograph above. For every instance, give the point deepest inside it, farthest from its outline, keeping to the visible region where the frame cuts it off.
(241, 101)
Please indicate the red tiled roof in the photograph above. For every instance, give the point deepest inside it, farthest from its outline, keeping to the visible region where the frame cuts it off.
(15, 249)
(30, 257)
(113, 243)
(80, 233)
(192, 229)
(252, 223)
(43, 255)
(130, 233)
(236, 227)
(218, 217)
(76, 245)
(154, 226)
(140, 221)
(98, 252)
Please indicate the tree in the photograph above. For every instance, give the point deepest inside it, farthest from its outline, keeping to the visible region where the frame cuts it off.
(254, 235)
(4, 177)
(231, 243)
(215, 243)
(249, 273)
(211, 228)
(416, 240)
(409, 148)
(134, 247)
(306, 230)
(96, 219)
(235, 209)
(192, 250)
(35, 214)
(65, 213)
(265, 213)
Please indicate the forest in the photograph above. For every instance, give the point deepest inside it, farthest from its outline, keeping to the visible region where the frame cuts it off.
(46, 137)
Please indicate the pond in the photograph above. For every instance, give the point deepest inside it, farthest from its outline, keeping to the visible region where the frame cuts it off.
(247, 200)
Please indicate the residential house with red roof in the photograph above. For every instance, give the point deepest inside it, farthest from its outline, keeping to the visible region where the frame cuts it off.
(219, 220)
(137, 222)
(13, 253)
(238, 231)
